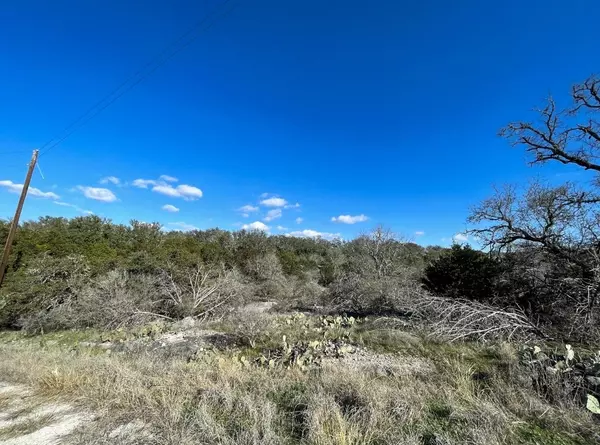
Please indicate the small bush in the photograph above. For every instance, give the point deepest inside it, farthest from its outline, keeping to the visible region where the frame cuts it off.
(200, 291)
(307, 294)
(355, 294)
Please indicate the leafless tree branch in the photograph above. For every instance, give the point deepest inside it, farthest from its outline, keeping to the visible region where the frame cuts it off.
(456, 320)
(556, 138)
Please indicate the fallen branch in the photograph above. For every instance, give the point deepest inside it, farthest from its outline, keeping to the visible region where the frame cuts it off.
(456, 320)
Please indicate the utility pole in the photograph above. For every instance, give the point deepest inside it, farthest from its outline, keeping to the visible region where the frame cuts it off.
(15, 221)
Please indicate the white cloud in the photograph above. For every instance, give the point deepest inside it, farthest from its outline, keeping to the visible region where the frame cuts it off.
(143, 183)
(97, 193)
(170, 208)
(187, 192)
(419, 233)
(162, 186)
(347, 219)
(292, 206)
(274, 202)
(264, 195)
(281, 228)
(460, 238)
(16, 188)
(272, 214)
(110, 180)
(184, 227)
(37, 192)
(166, 189)
(73, 206)
(307, 233)
(248, 209)
(299, 220)
(256, 225)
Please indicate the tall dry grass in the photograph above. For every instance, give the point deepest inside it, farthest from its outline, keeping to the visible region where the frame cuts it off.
(218, 400)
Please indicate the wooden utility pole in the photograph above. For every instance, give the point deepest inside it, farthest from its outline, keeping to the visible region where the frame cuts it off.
(15, 221)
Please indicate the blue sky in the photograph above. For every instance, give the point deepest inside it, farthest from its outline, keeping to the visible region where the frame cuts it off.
(379, 111)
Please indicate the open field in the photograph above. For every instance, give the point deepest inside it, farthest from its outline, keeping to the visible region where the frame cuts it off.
(269, 378)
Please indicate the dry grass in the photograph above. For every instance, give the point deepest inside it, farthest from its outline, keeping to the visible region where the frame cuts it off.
(5, 401)
(471, 397)
(27, 426)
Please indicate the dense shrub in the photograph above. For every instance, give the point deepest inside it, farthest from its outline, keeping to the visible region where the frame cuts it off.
(45, 284)
(464, 272)
(112, 300)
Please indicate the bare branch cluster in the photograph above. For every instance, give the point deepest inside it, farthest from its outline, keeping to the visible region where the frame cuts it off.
(201, 291)
(457, 320)
(563, 220)
(568, 136)
(382, 249)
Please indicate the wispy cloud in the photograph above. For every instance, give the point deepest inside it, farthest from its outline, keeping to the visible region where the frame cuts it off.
(281, 228)
(347, 219)
(16, 188)
(110, 180)
(184, 227)
(73, 206)
(292, 206)
(307, 233)
(460, 238)
(144, 183)
(97, 193)
(168, 178)
(272, 214)
(419, 233)
(248, 209)
(274, 202)
(299, 220)
(170, 208)
(256, 225)
(37, 192)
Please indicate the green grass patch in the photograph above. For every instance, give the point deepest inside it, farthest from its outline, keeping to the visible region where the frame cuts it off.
(535, 434)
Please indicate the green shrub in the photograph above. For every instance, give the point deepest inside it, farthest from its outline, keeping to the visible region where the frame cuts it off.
(464, 272)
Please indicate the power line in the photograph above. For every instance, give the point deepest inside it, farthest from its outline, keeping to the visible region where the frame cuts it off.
(182, 42)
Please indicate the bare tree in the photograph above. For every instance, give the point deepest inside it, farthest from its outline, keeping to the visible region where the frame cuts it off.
(568, 136)
(201, 291)
(562, 221)
(382, 249)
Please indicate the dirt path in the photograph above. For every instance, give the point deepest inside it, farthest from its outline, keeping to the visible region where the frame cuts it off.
(24, 420)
